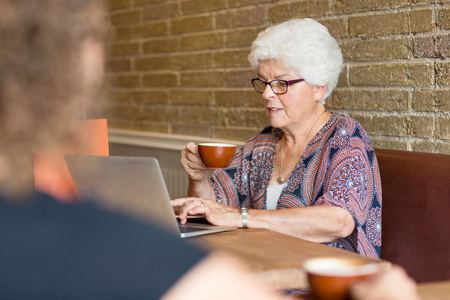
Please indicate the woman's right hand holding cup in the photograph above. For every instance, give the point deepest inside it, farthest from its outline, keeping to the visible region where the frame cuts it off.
(192, 163)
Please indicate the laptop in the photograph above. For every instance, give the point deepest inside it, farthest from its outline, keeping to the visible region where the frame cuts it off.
(132, 185)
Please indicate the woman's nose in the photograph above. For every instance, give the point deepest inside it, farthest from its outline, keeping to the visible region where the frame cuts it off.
(268, 92)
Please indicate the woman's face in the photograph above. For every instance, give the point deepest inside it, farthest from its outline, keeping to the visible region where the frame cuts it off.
(288, 111)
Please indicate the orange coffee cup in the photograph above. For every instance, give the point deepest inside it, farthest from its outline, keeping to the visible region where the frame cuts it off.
(216, 155)
(330, 278)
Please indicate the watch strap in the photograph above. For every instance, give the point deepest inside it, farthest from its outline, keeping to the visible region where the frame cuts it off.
(244, 212)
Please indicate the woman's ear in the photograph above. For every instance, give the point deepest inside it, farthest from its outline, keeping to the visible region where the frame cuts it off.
(319, 92)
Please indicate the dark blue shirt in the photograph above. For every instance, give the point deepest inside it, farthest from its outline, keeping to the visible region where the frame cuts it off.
(52, 250)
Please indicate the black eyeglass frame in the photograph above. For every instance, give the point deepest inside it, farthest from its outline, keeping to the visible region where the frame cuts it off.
(287, 82)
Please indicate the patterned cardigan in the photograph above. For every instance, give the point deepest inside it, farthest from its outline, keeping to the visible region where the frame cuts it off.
(338, 168)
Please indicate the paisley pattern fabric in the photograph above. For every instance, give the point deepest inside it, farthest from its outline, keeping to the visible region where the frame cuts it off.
(338, 168)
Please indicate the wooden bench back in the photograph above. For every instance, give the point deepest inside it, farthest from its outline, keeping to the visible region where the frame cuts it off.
(416, 212)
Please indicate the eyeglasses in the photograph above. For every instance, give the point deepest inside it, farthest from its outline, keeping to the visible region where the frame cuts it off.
(278, 86)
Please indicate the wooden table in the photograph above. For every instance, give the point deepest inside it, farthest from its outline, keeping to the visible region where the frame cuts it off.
(275, 259)
(434, 290)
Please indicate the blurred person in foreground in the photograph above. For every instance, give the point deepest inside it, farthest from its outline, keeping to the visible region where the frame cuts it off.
(312, 173)
(51, 60)
(387, 284)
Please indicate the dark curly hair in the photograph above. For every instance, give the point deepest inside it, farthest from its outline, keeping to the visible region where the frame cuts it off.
(42, 84)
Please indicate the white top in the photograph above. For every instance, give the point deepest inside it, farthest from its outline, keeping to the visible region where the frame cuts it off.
(273, 194)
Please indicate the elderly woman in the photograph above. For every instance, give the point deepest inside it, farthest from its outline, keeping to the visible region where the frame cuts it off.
(312, 173)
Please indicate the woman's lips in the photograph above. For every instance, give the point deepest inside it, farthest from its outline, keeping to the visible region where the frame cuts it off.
(272, 110)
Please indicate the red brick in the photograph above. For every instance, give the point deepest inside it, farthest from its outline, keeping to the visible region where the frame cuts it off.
(377, 49)
(206, 79)
(126, 17)
(151, 29)
(168, 79)
(242, 37)
(232, 58)
(240, 18)
(193, 61)
(371, 99)
(353, 6)
(299, 9)
(161, 45)
(203, 41)
(119, 4)
(240, 78)
(117, 65)
(161, 11)
(201, 6)
(128, 80)
(191, 97)
(239, 98)
(192, 24)
(431, 100)
(392, 74)
(151, 96)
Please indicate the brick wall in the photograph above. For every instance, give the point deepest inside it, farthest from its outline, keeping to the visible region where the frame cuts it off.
(180, 66)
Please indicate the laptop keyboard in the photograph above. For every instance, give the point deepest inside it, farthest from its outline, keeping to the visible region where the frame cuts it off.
(194, 225)
(187, 229)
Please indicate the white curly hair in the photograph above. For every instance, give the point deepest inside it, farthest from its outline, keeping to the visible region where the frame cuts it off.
(302, 45)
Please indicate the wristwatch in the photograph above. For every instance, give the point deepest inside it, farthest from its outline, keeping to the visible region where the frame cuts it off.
(244, 211)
